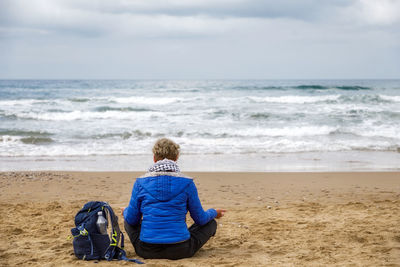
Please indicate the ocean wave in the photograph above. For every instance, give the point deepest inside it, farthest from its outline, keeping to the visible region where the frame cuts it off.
(263, 115)
(294, 99)
(20, 102)
(352, 88)
(198, 145)
(122, 109)
(125, 135)
(36, 140)
(259, 87)
(263, 132)
(14, 132)
(84, 115)
(277, 117)
(394, 98)
(25, 137)
(310, 87)
(289, 131)
(385, 131)
(146, 100)
(323, 87)
(219, 135)
(79, 100)
(32, 140)
(139, 100)
(367, 98)
(370, 130)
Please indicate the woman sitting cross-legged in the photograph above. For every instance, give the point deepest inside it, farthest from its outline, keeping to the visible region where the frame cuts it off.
(155, 219)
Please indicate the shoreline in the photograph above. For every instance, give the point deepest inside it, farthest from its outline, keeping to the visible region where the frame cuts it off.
(285, 219)
(354, 161)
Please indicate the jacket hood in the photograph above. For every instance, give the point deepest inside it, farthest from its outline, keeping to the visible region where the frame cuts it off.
(164, 187)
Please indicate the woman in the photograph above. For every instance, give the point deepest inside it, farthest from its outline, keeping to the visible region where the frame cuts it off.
(155, 219)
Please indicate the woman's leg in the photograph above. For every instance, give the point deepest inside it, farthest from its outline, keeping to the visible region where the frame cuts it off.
(142, 249)
(199, 235)
(133, 232)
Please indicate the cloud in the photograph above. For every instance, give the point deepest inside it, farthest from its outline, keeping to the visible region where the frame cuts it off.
(382, 12)
(305, 9)
(190, 18)
(199, 38)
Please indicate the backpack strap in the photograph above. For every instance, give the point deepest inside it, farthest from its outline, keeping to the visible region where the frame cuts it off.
(113, 251)
(122, 256)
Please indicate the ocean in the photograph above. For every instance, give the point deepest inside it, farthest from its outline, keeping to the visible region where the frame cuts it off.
(221, 125)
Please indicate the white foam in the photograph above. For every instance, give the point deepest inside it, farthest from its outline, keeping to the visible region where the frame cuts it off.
(6, 139)
(293, 99)
(288, 131)
(196, 145)
(146, 100)
(368, 129)
(394, 98)
(22, 102)
(85, 115)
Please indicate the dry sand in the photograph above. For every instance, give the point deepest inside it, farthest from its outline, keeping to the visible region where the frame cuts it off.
(273, 219)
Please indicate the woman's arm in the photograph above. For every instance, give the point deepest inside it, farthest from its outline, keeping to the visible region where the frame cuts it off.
(132, 213)
(197, 212)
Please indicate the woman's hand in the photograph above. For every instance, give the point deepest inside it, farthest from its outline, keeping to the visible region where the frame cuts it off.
(122, 211)
(220, 213)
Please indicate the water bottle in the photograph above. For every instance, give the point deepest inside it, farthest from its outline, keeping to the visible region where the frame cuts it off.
(101, 223)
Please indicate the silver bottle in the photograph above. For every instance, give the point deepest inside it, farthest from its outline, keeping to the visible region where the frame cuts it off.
(101, 223)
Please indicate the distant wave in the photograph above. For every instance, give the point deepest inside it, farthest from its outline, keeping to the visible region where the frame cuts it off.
(304, 87)
(36, 140)
(223, 145)
(264, 132)
(222, 133)
(20, 102)
(123, 135)
(146, 100)
(390, 98)
(294, 99)
(139, 100)
(79, 100)
(288, 131)
(142, 103)
(82, 115)
(23, 133)
(352, 88)
(321, 87)
(123, 109)
(25, 137)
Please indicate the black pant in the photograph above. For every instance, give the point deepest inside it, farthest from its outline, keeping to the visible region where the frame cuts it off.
(199, 235)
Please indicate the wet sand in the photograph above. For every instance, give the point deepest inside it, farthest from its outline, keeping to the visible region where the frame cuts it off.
(273, 219)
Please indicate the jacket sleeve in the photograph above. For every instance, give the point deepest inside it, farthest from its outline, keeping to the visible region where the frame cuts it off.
(132, 214)
(197, 213)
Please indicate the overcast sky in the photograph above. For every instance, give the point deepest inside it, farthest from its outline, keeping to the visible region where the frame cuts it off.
(199, 39)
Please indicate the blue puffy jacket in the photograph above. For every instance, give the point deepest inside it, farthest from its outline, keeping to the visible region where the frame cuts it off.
(161, 200)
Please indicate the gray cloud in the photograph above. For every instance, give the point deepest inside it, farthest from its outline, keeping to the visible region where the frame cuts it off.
(199, 38)
(93, 18)
(306, 9)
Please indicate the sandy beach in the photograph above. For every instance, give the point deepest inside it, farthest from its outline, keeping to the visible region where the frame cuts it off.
(273, 219)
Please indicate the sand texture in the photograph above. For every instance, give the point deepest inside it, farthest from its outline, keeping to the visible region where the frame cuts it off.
(273, 219)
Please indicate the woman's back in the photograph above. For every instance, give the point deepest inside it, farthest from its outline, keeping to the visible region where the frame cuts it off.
(163, 200)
